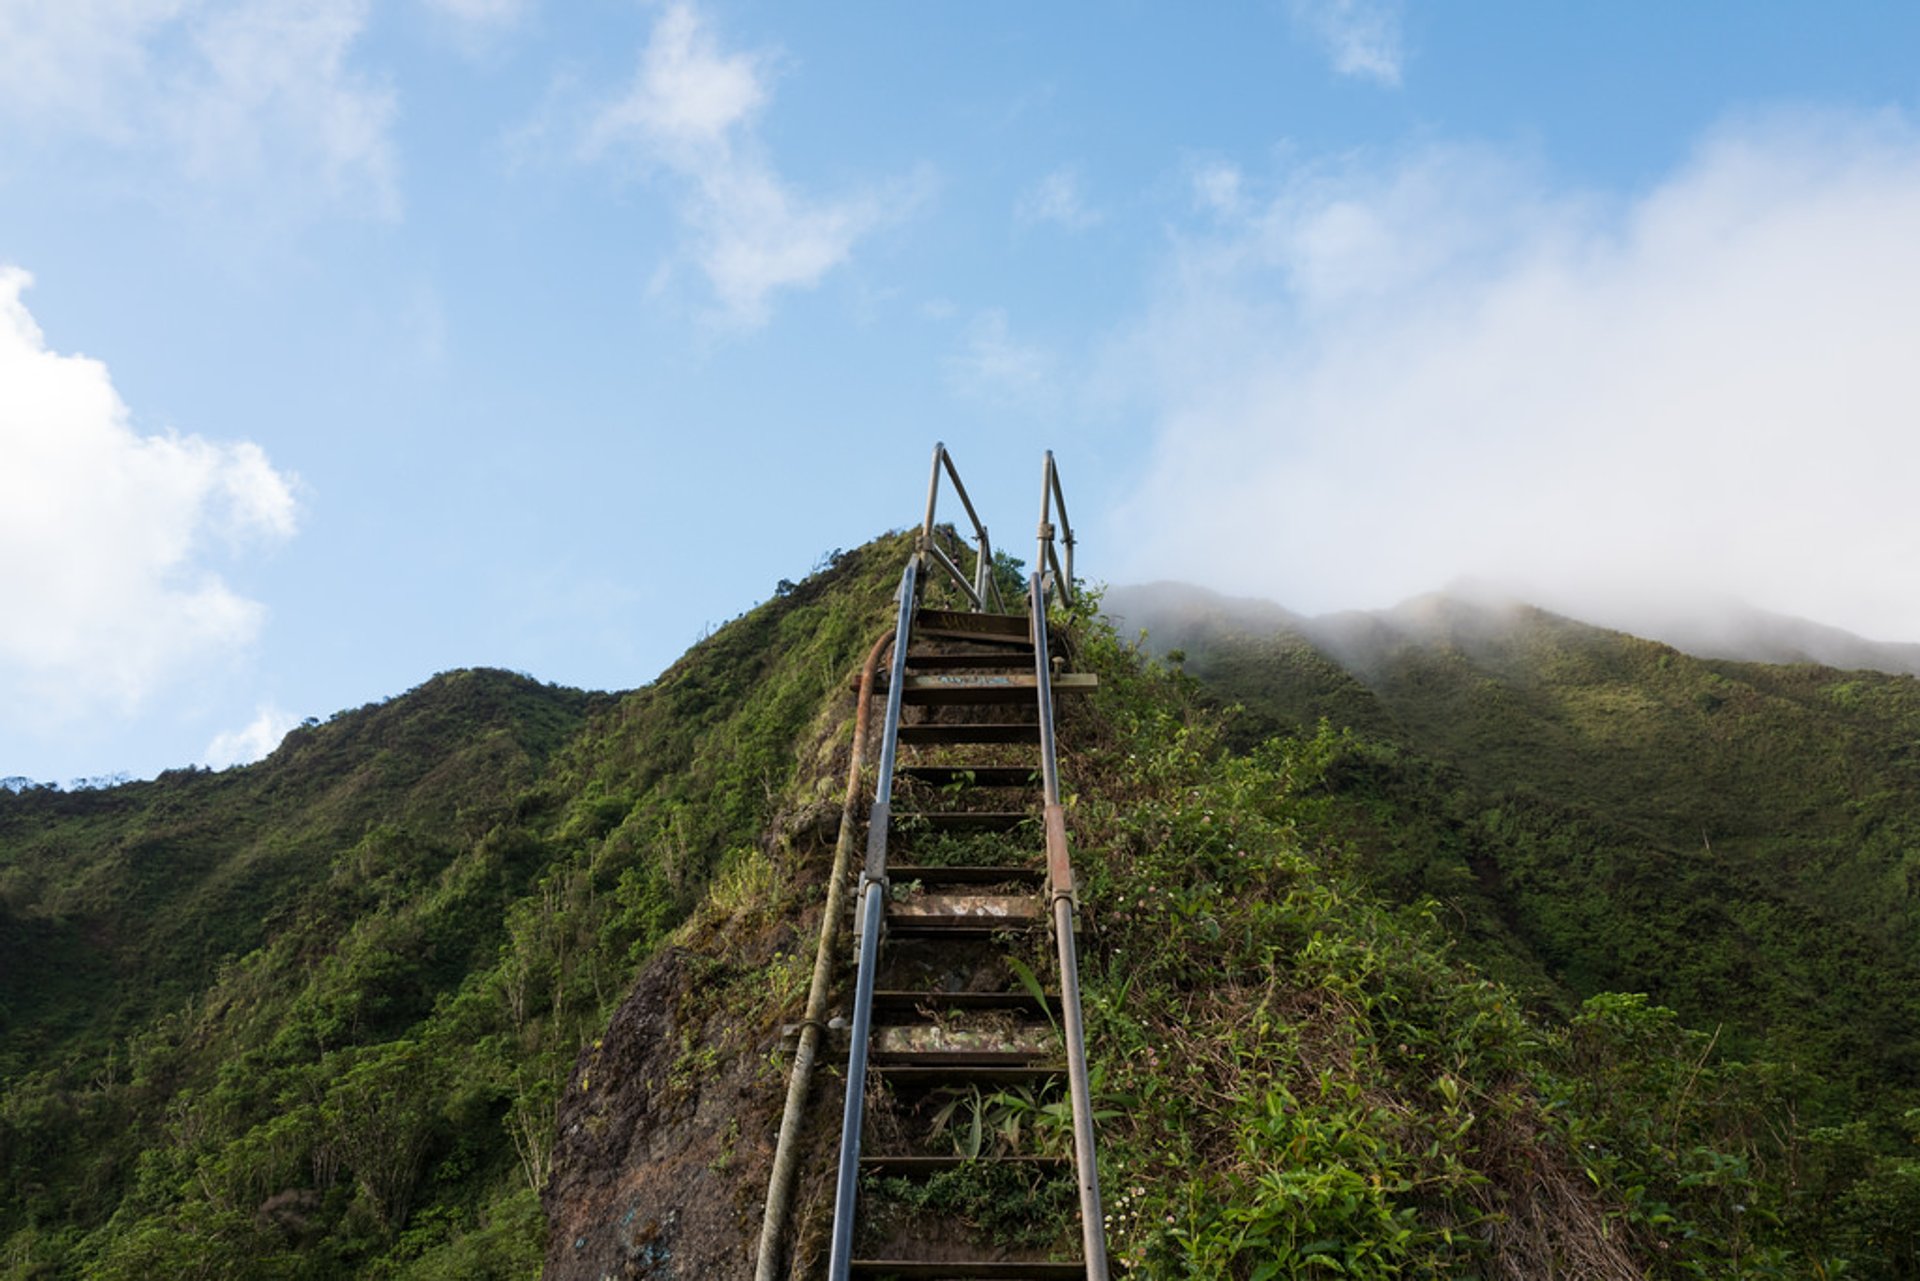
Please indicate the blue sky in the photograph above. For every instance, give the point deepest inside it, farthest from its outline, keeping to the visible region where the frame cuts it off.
(342, 343)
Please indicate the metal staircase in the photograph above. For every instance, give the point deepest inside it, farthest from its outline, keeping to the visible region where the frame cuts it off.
(966, 864)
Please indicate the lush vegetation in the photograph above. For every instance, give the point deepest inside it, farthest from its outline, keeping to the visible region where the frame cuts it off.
(310, 1018)
(1545, 955)
(1590, 813)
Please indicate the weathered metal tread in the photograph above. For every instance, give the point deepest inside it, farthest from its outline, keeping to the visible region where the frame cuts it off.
(970, 624)
(964, 1270)
(901, 873)
(924, 1165)
(1000, 659)
(971, 775)
(960, 1060)
(968, 820)
(997, 732)
(925, 1077)
(986, 689)
(930, 926)
(894, 1004)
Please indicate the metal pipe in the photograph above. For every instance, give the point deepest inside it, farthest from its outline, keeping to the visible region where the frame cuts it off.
(1093, 1236)
(982, 570)
(945, 562)
(873, 896)
(933, 493)
(786, 1150)
(961, 490)
(853, 1114)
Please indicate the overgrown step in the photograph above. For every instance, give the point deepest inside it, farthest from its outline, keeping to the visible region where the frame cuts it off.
(958, 914)
(941, 733)
(990, 629)
(972, 623)
(904, 1078)
(901, 873)
(971, 775)
(920, 1167)
(938, 1045)
(967, 820)
(1000, 660)
(962, 1270)
(910, 1038)
(896, 1004)
(988, 689)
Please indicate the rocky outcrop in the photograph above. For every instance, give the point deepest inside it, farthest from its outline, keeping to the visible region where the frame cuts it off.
(652, 1177)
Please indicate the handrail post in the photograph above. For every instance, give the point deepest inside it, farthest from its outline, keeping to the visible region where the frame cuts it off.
(933, 494)
(982, 568)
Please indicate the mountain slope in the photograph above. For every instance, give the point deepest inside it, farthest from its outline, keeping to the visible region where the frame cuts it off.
(1739, 840)
(310, 1018)
(493, 974)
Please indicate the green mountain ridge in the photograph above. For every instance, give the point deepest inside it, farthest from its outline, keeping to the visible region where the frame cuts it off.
(1737, 839)
(488, 979)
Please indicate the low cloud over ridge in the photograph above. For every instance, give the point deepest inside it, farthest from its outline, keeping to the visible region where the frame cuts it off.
(1382, 375)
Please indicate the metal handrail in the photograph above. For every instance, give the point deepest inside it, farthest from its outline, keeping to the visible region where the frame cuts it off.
(1062, 900)
(982, 591)
(1048, 562)
(873, 900)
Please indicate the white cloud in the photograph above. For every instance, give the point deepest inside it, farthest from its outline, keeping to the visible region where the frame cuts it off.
(1217, 187)
(482, 13)
(690, 113)
(1057, 198)
(995, 367)
(106, 536)
(1361, 37)
(1402, 372)
(252, 741)
(254, 94)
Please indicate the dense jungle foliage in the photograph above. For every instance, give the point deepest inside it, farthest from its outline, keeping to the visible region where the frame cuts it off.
(1410, 993)
(310, 1017)
(1594, 813)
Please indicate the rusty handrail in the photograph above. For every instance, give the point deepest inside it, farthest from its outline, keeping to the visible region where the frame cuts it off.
(787, 1149)
(1062, 900)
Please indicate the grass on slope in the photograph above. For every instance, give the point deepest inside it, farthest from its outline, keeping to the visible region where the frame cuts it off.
(309, 1018)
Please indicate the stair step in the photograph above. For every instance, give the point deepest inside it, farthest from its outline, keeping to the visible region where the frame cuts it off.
(967, 820)
(958, 1061)
(982, 689)
(894, 1004)
(932, 1076)
(929, 1043)
(971, 775)
(911, 1166)
(971, 626)
(933, 1044)
(950, 915)
(999, 660)
(901, 873)
(940, 732)
(963, 1270)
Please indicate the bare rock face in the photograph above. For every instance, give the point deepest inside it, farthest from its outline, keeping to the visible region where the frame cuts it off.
(652, 1175)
